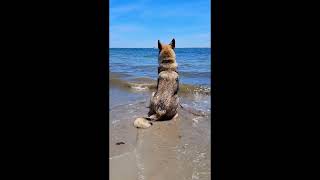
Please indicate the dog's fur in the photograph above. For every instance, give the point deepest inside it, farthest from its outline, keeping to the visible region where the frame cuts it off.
(164, 102)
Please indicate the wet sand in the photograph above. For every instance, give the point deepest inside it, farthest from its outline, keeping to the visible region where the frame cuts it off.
(176, 149)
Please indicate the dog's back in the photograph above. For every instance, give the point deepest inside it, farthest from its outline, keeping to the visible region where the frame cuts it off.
(165, 101)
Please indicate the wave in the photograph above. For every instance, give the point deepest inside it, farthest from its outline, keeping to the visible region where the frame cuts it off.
(148, 84)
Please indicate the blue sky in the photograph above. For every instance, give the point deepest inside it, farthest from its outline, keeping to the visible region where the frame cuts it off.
(140, 23)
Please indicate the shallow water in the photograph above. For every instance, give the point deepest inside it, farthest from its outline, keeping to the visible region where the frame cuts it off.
(177, 149)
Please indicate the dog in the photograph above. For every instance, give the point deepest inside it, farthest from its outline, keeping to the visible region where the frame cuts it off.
(164, 102)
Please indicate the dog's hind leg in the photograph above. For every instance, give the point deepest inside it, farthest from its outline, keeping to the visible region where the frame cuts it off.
(152, 117)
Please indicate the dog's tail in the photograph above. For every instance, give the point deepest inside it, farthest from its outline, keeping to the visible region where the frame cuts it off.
(142, 123)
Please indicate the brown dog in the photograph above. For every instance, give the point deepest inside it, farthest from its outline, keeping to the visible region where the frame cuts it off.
(164, 102)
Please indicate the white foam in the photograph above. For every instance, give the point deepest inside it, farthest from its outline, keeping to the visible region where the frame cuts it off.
(115, 121)
(140, 87)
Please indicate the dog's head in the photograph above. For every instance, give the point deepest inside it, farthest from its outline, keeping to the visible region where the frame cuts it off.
(166, 52)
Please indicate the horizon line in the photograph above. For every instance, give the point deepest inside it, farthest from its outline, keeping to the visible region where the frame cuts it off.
(155, 47)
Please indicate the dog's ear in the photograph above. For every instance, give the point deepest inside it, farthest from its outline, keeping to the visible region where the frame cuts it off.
(159, 45)
(173, 43)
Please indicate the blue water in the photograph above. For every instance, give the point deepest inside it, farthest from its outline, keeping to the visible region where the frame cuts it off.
(193, 64)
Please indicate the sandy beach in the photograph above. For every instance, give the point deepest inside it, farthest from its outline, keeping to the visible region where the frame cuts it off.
(167, 150)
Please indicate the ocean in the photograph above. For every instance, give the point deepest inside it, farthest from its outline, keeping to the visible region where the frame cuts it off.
(136, 69)
(193, 64)
(183, 145)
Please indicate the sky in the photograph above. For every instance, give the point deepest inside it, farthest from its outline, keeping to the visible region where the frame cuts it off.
(141, 23)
